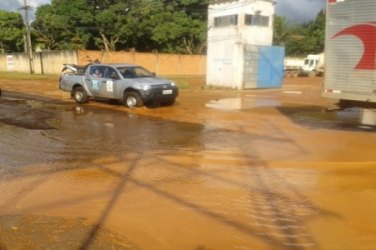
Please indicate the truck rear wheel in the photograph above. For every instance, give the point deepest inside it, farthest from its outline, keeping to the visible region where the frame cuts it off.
(133, 99)
(79, 95)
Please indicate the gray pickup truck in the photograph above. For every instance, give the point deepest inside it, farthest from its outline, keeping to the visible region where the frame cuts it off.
(131, 84)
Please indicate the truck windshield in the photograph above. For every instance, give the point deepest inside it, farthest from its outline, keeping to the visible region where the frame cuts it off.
(134, 72)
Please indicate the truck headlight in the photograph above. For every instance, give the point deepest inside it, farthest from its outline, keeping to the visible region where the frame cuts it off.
(145, 87)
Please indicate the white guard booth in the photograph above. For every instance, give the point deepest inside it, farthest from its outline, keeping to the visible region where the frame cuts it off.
(240, 33)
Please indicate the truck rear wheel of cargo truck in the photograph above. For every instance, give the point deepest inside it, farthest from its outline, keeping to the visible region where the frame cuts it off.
(79, 95)
(312, 73)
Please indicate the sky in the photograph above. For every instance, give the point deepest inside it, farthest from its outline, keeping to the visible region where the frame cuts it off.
(293, 10)
(299, 10)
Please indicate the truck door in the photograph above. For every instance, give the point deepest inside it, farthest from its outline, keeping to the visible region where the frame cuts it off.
(110, 83)
(94, 80)
(101, 81)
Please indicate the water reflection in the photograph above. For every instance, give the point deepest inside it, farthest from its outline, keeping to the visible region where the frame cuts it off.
(348, 119)
(242, 103)
(368, 117)
(121, 130)
(25, 113)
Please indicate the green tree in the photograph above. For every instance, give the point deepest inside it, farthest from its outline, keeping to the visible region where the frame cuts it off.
(145, 25)
(165, 26)
(109, 22)
(138, 25)
(314, 32)
(301, 39)
(48, 29)
(178, 32)
(64, 24)
(281, 30)
(11, 32)
(77, 16)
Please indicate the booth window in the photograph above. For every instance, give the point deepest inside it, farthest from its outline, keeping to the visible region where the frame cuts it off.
(257, 20)
(224, 21)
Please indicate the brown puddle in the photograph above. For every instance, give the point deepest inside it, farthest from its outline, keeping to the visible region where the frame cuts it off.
(243, 103)
(157, 183)
(29, 114)
(354, 119)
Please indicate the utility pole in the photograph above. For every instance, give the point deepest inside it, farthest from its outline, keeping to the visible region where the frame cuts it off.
(29, 47)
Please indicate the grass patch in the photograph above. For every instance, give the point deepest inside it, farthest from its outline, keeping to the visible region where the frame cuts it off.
(26, 76)
(188, 82)
(183, 82)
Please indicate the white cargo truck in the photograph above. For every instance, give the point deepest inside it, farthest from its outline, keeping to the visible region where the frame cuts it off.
(350, 51)
(292, 66)
(313, 65)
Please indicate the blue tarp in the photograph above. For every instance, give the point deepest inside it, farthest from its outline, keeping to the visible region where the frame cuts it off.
(270, 67)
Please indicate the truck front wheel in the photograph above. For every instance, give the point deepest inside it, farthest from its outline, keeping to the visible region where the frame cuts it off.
(79, 95)
(133, 99)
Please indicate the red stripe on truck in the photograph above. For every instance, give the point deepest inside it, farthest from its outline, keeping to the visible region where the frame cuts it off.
(367, 34)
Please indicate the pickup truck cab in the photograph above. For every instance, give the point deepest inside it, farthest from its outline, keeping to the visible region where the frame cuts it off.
(132, 84)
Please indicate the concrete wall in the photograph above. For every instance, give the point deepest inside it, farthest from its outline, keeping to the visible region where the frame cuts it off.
(52, 62)
(161, 64)
(48, 62)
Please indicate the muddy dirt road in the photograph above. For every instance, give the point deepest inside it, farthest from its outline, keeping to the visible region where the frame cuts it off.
(258, 169)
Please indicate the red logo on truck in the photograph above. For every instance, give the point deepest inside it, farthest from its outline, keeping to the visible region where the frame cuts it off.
(334, 1)
(366, 32)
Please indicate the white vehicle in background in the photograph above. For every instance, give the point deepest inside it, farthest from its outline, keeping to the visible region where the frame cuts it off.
(314, 65)
(292, 66)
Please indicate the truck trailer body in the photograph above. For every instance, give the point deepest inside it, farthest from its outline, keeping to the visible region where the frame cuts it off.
(350, 51)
